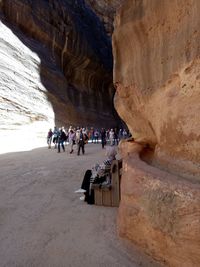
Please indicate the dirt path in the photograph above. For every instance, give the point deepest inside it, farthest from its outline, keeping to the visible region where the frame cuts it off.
(43, 222)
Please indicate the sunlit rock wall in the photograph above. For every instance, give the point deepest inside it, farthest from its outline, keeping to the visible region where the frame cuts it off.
(156, 72)
(73, 69)
(28, 92)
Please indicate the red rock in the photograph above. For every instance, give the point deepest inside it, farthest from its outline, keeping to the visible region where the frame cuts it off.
(159, 212)
(156, 70)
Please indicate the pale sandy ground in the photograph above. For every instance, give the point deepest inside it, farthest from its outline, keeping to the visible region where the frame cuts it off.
(43, 222)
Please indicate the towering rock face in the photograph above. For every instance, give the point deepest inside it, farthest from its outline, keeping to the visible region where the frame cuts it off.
(70, 59)
(156, 47)
(156, 72)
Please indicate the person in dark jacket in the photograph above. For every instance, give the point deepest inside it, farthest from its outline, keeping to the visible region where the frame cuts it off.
(81, 142)
(49, 138)
(103, 137)
(61, 139)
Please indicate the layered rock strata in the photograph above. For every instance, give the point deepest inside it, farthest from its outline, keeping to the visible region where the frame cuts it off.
(74, 64)
(156, 72)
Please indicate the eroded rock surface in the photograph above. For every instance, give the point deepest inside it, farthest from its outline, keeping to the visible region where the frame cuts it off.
(156, 72)
(157, 59)
(159, 211)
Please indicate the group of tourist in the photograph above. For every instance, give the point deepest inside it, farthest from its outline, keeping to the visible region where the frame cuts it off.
(80, 136)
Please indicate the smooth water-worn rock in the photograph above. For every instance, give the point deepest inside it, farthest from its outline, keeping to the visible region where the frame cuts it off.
(156, 72)
(71, 68)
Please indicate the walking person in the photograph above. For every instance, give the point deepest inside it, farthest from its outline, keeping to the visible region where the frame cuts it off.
(66, 133)
(111, 137)
(71, 137)
(116, 140)
(120, 134)
(96, 136)
(81, 142)
(124, 134)
(61, 139)
(55, 136)
(92, 134)
(103, 137)
(49, 138)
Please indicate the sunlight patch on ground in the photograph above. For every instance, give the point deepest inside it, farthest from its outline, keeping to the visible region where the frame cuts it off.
(25, 139)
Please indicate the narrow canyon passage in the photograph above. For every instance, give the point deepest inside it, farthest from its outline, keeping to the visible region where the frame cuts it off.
(42, 220)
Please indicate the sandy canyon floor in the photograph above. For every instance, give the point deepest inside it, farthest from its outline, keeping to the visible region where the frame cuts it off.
(44, 223)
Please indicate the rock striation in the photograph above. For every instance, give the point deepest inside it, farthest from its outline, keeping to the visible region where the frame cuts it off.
(156, 73)
(71, 67)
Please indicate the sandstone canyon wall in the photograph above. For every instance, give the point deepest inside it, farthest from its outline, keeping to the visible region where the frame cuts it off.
(61, 66)
(157, 78)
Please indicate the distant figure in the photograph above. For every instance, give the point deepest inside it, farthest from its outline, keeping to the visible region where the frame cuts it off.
(92, 134)
(71, 137)
(61, 139)
(77, 136)
(96, 136)
(116, 140)
(120, 134)
(83, 138)
(111, 137)
(49, 138)
(124, 134)
(70, 128)
(55, 136)
(103, 137)
(107, 135)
